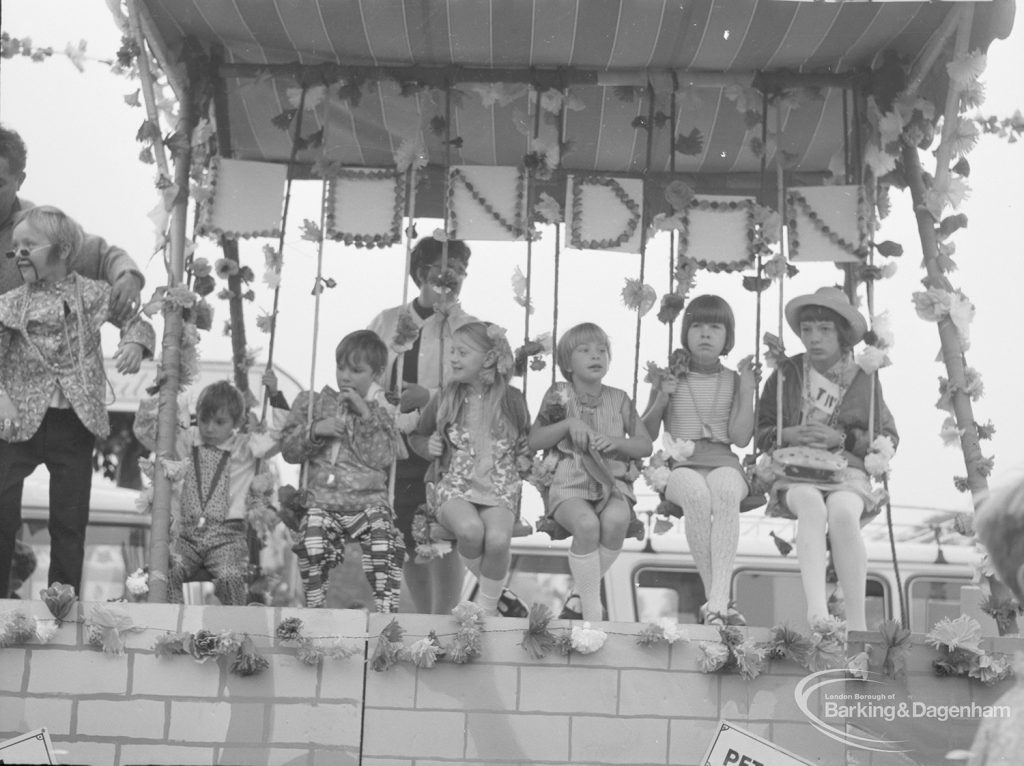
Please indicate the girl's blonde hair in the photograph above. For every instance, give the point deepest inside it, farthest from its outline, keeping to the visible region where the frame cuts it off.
(499, 399)
(588, 332)
(56, 225)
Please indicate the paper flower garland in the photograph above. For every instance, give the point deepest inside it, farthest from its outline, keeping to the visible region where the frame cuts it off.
(582, 213)
(365, 206)
(519, 289)
(719, 233)
(959, 644)
(876, 462)
(489, 190)
(638, 296)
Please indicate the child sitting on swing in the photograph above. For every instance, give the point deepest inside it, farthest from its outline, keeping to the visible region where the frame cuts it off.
(220, 463)
(349, 443)
(476, 427)
(597, 436)
(711, 406)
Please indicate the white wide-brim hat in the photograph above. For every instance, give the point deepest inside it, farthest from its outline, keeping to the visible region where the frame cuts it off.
(830, 298)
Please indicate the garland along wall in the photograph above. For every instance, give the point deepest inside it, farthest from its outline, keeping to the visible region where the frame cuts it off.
(622, 704)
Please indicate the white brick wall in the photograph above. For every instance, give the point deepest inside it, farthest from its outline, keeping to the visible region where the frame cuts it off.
(623, 704)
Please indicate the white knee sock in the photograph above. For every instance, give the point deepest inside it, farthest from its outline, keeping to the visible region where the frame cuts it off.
(586, 574)
(688, 489)
(808, 506)
(488, 595)
(727, 489)
(473, 565)
(849, 555)
(607, 557)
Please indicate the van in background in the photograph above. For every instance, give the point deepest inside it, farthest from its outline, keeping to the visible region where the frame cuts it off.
(657, 578)
(116, 540)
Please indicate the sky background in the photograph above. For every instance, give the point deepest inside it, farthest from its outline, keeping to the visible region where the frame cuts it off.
(83, 158)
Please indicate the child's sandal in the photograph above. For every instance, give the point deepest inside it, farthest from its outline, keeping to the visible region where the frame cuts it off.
(714, 619)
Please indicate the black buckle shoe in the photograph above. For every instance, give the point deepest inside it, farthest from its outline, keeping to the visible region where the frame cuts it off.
(510, 605)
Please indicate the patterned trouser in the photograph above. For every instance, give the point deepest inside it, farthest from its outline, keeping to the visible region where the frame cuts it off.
(321, 547)
(221, 548)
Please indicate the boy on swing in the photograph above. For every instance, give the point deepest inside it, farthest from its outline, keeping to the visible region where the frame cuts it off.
(349, 443)
(219, 464)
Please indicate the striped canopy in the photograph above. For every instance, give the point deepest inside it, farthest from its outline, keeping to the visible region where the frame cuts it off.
(454, 73)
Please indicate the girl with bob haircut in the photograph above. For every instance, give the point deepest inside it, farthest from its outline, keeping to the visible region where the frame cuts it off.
(475, 429)
(706, 408)
(595, 438)
(826, 402)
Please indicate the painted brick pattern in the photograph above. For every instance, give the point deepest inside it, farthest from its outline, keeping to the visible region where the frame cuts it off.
(625, 704)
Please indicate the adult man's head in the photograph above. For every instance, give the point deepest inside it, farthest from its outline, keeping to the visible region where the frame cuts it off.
(12, 170)
(425, 266)
(1000, 526)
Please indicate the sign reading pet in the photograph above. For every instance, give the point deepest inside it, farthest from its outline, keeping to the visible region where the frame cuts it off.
(733, 746)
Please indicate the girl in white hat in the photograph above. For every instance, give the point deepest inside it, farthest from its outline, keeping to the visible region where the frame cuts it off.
(826, 401)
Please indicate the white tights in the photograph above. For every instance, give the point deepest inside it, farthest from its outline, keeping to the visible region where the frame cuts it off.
(711, 517)
(838, 515)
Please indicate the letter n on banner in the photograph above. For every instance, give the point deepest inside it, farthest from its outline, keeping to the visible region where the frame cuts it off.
(827, 223)
(486, 203)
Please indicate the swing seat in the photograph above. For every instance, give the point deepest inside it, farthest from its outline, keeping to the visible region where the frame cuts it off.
(753, 501)
(255, 546)
(521, 528)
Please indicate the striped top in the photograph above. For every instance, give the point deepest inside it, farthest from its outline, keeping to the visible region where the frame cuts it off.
(700, 399)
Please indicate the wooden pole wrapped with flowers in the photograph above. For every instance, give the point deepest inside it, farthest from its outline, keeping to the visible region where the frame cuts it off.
(174, 302)
(902, 128)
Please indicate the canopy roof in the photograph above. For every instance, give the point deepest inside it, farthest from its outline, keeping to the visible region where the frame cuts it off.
(399, 58)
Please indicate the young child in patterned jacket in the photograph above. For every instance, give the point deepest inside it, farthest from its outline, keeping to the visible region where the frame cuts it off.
(216, 501)
(348, 440)
(53, 388)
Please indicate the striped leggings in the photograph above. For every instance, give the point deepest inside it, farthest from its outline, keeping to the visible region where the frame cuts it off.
(321, 547)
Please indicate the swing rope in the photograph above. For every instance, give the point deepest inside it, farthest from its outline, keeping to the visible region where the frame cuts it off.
(290, 177)
(758, 300)
(643, 235)
(558, 254)
(874, 402)
(318, 288)
(447, 217)
(410, 211)
(780, 188)
(528, 230)
(673, 126)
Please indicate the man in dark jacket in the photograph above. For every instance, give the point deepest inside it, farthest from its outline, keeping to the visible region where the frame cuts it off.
(96, 259)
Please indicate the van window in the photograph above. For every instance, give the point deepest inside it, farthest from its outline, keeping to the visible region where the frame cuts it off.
(112, 552)
(661, 593)
(767, 598)
(931, 599)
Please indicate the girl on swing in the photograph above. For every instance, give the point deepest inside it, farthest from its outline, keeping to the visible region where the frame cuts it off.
(475, 429)
(597, 436)
(705, 403)
(826, 402)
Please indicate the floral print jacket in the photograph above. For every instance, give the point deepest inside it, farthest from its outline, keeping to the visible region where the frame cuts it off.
(350, 472)
(511, 457)
(49, 339)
